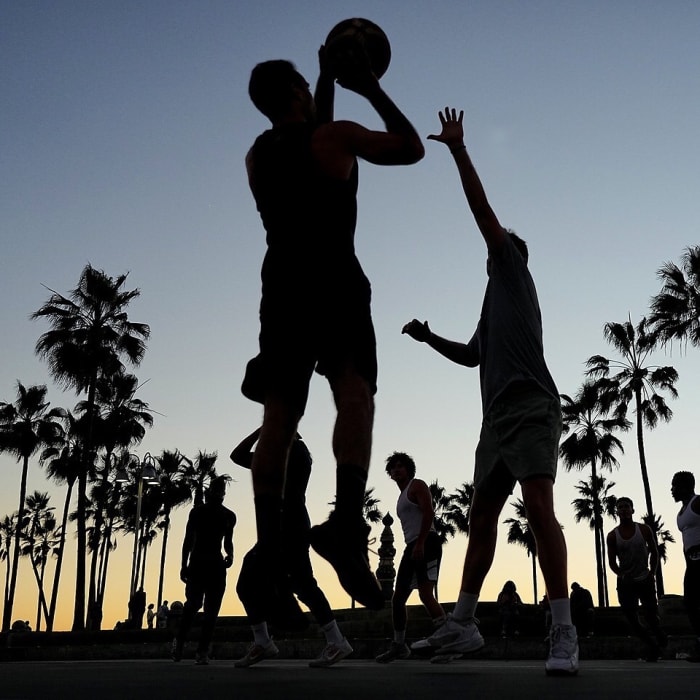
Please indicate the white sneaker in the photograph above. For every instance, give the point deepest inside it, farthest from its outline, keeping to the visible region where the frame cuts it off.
(421, 645)
(563, 651)
(332, 654)
(256, 654)
(453, 637)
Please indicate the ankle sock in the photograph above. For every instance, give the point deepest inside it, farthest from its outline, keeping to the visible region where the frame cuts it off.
(260, 634)
(465, 607)
(332, 633)
(561, 611)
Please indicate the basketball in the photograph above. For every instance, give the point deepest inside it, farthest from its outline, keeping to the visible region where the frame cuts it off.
(356, 40)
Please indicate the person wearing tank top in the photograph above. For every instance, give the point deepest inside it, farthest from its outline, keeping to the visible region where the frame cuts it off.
(634, 558)
(688, 521)
(420, 563)
(315, 306)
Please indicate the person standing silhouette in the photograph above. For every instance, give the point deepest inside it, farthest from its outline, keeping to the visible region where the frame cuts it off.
(203, 567)
(521, 425)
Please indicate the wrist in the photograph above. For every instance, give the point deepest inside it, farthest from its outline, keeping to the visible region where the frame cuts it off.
(456, 148)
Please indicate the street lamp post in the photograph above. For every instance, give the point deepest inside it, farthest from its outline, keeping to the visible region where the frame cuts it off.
(148, 475)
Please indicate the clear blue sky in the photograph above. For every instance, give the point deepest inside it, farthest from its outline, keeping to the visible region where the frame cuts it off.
(124, 130)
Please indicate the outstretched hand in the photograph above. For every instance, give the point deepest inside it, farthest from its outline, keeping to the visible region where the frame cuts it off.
(417, 330)
(452, 134)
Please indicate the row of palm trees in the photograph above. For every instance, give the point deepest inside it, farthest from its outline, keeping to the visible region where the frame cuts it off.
(88, 346)
(91, 341)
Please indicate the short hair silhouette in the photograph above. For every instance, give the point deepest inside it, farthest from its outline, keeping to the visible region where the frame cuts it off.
(271, 86)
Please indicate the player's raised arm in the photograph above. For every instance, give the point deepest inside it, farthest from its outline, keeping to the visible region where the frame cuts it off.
(452, 135)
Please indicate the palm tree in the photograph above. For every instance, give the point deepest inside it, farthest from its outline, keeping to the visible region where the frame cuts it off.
(675, 310)
(8, 526)
(460, 507)
(120, 422)
(174, 492)
(637, 383)
(200, 473)
(40, 539)
(370, 508)
(662, 537)
(443, 506)
(111, 514)
(26, 426)
(519, 533)
(62, 463)
(591, 443)
(596, 501)
(90, 334)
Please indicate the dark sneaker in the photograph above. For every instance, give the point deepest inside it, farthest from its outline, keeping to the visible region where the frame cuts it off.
(345, 548)
(201, 658)
(397, 650)
(256, 654)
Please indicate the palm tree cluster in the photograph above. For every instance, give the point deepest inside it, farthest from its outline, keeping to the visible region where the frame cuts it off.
(629, 383)
(88, 346)
(91, 342)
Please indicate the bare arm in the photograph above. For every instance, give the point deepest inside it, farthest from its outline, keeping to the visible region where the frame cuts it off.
(337, 144)
(228, 542)
(243, 452)
(420, 495)
(653, 549)
(324, 95)
(612, 553)
(452, 135)
(452, 350)
(187, 545)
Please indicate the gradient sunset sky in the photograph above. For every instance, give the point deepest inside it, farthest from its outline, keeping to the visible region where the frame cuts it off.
(125, 127)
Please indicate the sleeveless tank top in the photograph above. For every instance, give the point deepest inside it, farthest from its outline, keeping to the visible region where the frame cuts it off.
(410, 516)
(633, 554)
(688, 522)
(309, 217)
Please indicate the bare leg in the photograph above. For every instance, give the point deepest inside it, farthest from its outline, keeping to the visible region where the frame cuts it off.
(551, 545)
(270, 459)
(352, 436)
(426, 591)
(398, 610)
(483, 530)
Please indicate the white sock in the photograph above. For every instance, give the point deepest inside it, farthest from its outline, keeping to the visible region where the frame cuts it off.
(561, 611)
(465, 607)
(260, 634)
(400, 636)
(332, 632)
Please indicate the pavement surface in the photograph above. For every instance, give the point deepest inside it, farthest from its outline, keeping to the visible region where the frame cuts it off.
(350, 679)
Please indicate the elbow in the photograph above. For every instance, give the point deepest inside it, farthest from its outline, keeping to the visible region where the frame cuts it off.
(417, 151)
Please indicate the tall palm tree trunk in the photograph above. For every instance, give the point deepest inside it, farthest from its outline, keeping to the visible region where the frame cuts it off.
(163, 550)
(598, 536)
(59, 560)
(97, 538)
(79, 605)
(9, 602)
(645, 482)
(534, 577)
